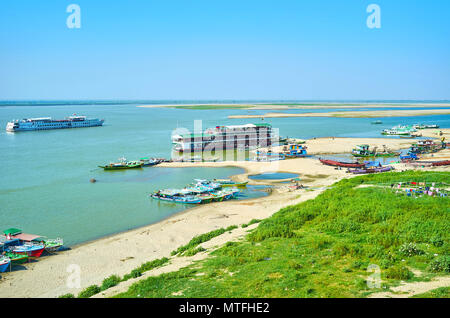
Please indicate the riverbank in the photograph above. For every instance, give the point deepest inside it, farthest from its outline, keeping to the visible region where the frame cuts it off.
(121, 253)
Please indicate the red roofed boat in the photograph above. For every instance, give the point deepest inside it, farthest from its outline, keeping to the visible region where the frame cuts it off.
(342, 164)
(441, 163)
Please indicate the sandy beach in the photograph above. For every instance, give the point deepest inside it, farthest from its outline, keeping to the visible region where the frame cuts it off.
(354, 114)
(120, 253)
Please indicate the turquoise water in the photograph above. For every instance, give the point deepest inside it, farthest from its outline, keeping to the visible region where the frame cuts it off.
(45, 188)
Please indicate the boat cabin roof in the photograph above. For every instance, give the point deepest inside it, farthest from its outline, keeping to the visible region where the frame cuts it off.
(12, 231)
(26, 237)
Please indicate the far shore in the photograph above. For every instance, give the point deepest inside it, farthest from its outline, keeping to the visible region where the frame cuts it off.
(119, 254)
(355, 114)
(284, 106)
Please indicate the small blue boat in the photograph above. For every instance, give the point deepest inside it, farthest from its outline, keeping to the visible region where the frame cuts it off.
(4, 263)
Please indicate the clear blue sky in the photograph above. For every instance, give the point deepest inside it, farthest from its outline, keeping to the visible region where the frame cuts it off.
(225, 49)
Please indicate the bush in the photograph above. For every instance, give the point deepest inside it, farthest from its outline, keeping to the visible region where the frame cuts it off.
(437, 241)
(250, 223)
(135, 273)
(441, 264)
(67, 296)
(201, 239)
(89, 291)
(193, 251)
(399, 272)
(153, 264)
(110, 281)
(410, 249)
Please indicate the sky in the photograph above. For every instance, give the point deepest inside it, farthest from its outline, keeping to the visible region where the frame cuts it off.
(225, 49)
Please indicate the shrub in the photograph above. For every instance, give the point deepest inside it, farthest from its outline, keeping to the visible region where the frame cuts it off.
(135, 273)
(410, 249)
(110, 281)
(201, 239)
(193, 251)
(89, 291)
(441, 264)
(67, 296)
(250, 223)
(399, 272)
(437, 241)
(153, 264)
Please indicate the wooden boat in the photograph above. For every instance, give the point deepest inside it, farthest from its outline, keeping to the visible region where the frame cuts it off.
(123, 164)
(119, 166)
(409, 156)
(51, 245)
(146, 162)
(5, 263)
(440, 163)
(371, 170)
(230, 183)
(341, 164)
(17, 258)
(175, 196)
(32, 250)
(363, 151)
(424, 126)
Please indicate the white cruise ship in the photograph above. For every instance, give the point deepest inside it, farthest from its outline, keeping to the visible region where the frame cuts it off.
(238, 137)
(44, 123)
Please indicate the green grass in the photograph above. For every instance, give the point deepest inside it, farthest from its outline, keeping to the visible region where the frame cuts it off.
(443, 292)
(201, 239)
(323, 247)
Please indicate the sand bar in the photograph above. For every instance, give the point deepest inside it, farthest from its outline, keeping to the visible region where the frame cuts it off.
(300, 105)
(355, 114)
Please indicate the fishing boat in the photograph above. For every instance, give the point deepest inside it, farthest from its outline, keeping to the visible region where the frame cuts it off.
(342, 164)
(51, 245)
(5, 262)
(363, 151)
(433, 163)
(16, 258)
(371, 170)
(376, 122)
(409, 156)
(148, 162)
(425, 126)
(230, 183)
(32, 250)
(122, 164)
(202, 191)
(404, 130)
(176, 196)
(397, 132)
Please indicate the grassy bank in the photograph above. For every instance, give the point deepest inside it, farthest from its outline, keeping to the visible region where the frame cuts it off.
(324, 247)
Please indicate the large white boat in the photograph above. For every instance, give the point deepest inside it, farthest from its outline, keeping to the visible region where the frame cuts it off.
(44, 123)
(237, 137)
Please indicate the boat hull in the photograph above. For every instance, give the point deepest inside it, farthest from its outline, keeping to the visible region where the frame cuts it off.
(17, 258)
(240, 185)
(341, 164)
(35, 253)
(4, 267)
(121, 167)
(376, 155)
